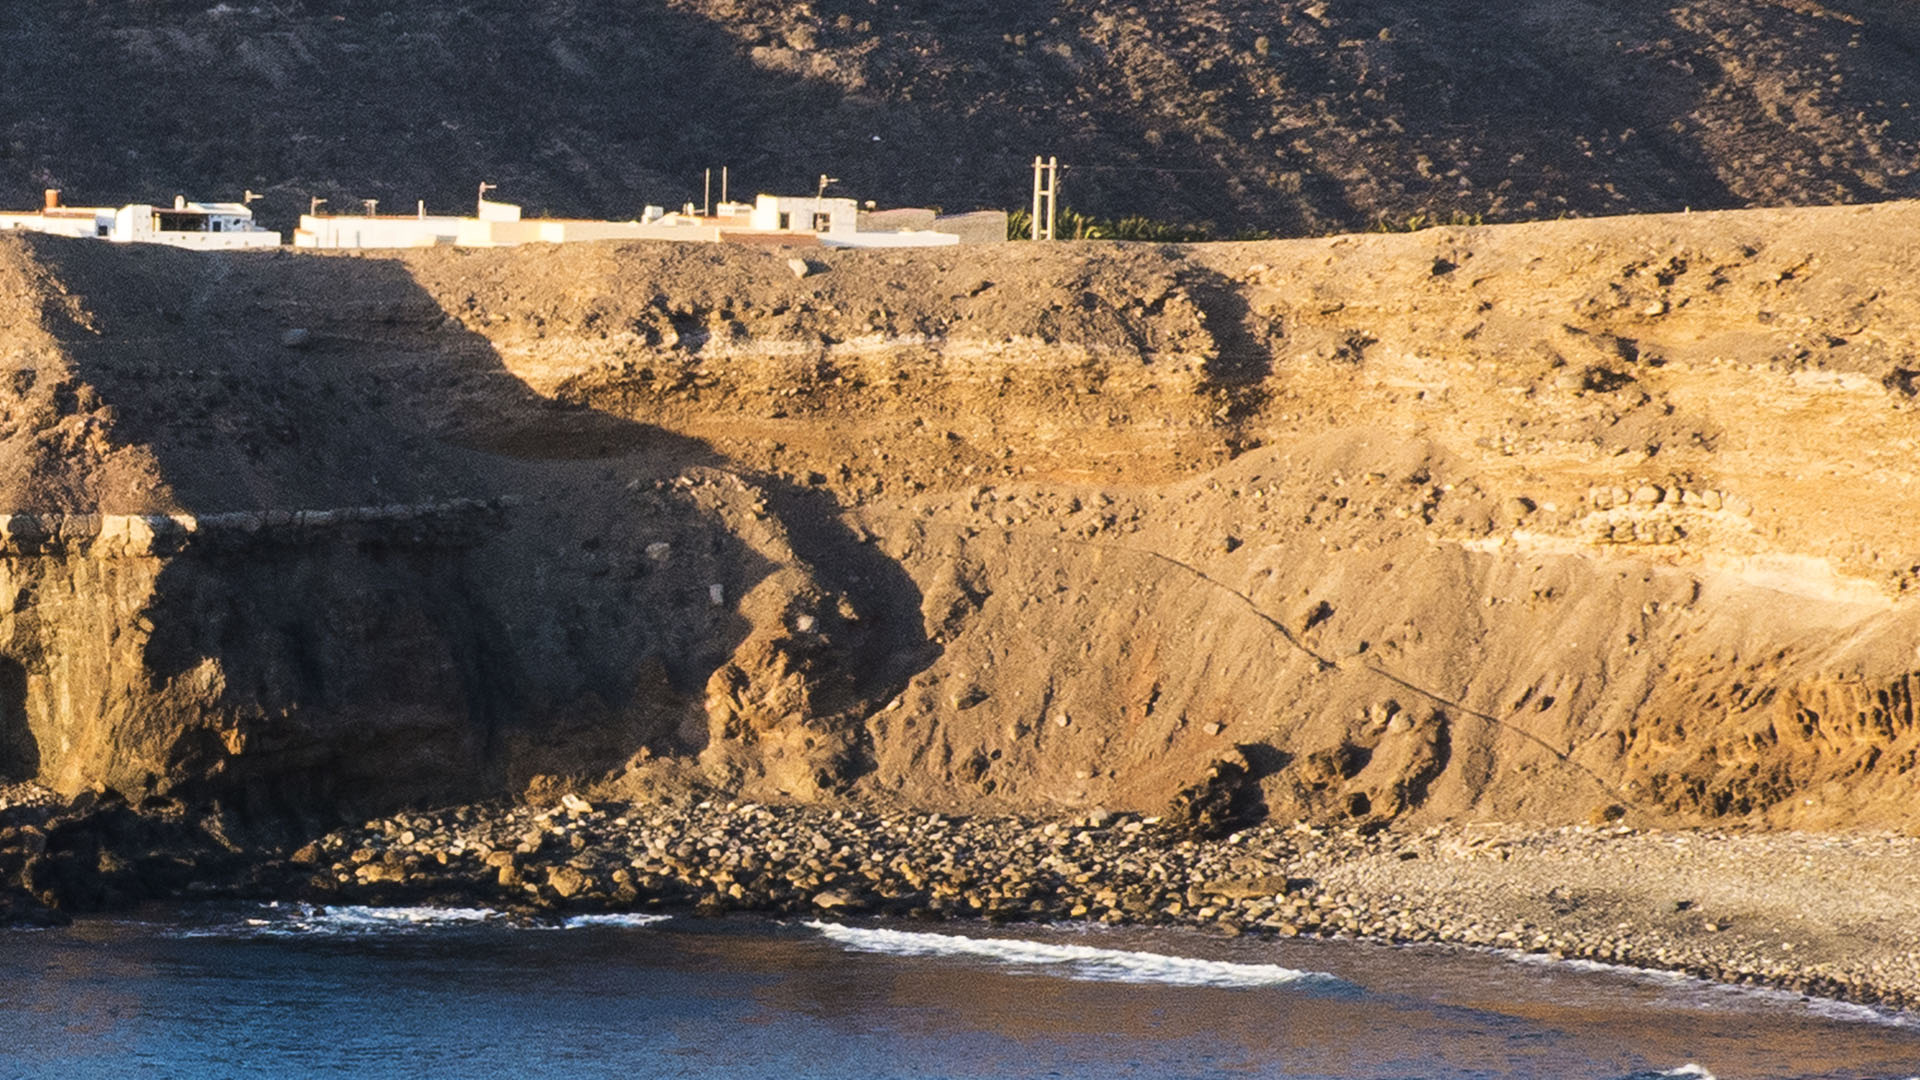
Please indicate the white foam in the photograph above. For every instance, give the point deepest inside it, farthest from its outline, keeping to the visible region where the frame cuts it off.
(296, 920)
(356, 918)
(1073, 961)
(293, 920)
(580, 922)
(1711, 994)
(1689, 1070)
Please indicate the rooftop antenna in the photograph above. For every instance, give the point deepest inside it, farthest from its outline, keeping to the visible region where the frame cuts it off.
(249, 197)
(824, 181)
(723, 185)
(706, 199)
(314, 205)
(484, 188)
(372, 205)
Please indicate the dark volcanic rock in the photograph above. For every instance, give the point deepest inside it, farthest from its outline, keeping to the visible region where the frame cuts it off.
(1298, 116)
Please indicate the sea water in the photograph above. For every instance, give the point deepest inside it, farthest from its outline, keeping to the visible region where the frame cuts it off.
(294, 991)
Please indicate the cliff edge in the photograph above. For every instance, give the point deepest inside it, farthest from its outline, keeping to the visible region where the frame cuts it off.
(1555, 522)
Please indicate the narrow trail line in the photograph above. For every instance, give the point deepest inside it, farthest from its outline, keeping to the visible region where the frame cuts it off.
(1323, 663)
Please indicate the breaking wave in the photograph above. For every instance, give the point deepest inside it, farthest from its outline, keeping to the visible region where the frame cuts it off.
(1708, 993)
(1082, 962)
(629, 921)
(354, 920)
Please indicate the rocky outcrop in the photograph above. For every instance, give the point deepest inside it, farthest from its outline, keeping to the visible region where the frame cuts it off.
(1583, 521)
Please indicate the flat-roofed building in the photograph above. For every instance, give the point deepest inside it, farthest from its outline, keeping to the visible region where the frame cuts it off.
(836, 222)
(201, 226)
(58, 220)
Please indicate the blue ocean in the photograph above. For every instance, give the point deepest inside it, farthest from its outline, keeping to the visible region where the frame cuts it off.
(295, 991)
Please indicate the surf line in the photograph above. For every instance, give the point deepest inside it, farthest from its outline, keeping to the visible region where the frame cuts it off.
(1080, 962)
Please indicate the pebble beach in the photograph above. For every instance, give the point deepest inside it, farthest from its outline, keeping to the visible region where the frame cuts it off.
(1833, 916)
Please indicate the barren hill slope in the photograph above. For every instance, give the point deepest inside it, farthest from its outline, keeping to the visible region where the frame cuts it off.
(1298, 117)
(1536, 522)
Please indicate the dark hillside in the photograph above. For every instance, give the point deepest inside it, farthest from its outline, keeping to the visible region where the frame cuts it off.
(1296, 116)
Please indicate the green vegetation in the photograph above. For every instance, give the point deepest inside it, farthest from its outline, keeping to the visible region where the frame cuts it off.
(1074, 225)
(1071, 224)
(1417, 222)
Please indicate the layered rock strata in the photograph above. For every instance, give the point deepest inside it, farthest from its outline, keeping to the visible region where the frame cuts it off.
(1590, 520)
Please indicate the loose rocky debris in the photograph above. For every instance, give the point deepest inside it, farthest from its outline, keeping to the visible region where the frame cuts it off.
(96, 853)
(1820, 915)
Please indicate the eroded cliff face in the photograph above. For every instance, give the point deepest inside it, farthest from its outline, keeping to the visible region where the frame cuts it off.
(1590, 519)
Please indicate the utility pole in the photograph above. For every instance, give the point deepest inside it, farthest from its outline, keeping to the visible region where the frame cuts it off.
(1046, 196)
(706, 200)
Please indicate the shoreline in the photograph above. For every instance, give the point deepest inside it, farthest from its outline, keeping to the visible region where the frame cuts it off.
(1825, 915)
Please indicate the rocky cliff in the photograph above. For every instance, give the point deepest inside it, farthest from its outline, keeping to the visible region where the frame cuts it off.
(1544, 522)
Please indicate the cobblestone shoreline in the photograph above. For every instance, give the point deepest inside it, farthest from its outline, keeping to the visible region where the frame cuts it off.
(1826, 916)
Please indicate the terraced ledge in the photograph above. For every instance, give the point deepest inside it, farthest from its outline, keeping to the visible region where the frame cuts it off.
(453, 522)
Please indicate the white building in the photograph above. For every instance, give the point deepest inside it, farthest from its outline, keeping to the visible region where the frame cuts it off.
(201, 226)
(94, 221)
(495, 224)
(834, 223)
(377, 231)
(770, 219)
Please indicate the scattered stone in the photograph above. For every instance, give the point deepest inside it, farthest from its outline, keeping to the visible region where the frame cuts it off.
(837, 900)
(567, 882)
(1278, 878)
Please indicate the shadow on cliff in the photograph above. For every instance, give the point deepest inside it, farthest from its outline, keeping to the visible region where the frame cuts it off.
(1242, 358)
(506, 587)
(19, 751)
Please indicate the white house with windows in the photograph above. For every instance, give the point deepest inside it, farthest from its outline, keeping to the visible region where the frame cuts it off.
(834, 222)
(197, 225)
(202, 226)
(94, 221)
(769, 219)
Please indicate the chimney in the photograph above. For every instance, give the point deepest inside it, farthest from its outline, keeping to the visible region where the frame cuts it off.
(53, 198)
